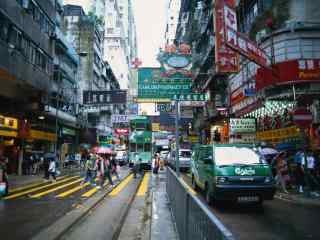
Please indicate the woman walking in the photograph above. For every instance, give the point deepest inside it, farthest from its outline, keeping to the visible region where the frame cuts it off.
(282, 171)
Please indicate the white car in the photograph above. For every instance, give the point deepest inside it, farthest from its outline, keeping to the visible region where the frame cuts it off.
(122, 157)
(184, 159)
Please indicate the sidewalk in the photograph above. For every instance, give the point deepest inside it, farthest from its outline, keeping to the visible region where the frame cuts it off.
(149, 216)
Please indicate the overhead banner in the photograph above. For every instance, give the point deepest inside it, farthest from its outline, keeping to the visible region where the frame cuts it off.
(227, 60)
(242, 125)
(105, 97)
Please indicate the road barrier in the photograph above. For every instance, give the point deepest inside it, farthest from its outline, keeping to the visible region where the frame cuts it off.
(193, 219)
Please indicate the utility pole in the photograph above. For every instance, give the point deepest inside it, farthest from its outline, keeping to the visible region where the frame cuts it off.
(177, 138)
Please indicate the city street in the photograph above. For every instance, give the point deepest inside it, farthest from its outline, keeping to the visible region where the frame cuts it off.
(276, 219)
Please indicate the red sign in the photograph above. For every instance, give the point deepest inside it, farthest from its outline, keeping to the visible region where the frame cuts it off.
(237, 96)
(246, 47)
(295, 71)
(227, 61)
(122, 131)
(302, 117)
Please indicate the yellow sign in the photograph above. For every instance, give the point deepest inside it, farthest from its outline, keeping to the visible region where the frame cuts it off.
(5, 133)
(7, 122)
(155, 127)
(40, 135)
(194, 139)
(278, 134)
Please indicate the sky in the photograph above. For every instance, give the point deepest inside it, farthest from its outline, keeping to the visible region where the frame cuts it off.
(151, 18)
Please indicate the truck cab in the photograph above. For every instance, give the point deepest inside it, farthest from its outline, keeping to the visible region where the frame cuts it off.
(235, 172)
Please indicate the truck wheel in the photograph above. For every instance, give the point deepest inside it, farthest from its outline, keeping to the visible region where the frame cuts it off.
(194, 184)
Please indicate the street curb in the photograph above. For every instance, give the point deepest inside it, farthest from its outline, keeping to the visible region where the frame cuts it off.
(65, 223)
(284, 197)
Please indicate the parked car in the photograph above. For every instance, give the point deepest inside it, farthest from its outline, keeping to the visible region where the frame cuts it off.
(233, 172)
(184, 159)
(122, 157)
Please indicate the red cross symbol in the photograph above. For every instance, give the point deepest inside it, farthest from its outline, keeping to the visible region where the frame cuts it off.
(136, 63)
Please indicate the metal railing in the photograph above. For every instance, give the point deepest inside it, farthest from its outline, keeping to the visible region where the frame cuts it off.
(192, 217)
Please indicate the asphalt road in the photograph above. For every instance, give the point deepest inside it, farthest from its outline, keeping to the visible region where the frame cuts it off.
(23, 217)
(275, 220)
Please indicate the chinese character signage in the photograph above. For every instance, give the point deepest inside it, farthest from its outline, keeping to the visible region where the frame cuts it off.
(6, 122)
(227, 60)
(295, 71)
(191, 97)
(242, 125)
(105, 97)
(120, 118)
(245, 47)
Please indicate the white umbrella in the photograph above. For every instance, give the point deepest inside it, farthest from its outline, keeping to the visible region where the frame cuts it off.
(268, 151)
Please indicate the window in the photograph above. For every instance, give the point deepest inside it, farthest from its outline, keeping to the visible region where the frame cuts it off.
(147, 147)
(132, 147)
(139, 147)
(236, 155)
(4, 28)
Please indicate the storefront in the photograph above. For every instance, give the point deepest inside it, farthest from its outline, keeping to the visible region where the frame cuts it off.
(9, 142)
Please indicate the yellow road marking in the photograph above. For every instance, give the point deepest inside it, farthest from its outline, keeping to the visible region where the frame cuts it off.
(121, 186)
(144, 185)
(94, 190)
(190, 190)
(55, 189)
(73, 190)
(37, 189)
(35, 184)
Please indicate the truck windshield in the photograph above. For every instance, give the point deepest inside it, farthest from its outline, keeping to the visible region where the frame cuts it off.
(236, 155)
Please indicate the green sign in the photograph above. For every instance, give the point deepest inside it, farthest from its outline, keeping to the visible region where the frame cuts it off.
(191, 97)
(153, 87)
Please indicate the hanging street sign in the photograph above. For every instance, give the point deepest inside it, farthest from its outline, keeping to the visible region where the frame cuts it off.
(191, 97)
(242, 125)
(246, 47)
(105, 97)
(153, 88)
(115, 118)
(227, 60)
(164, 107)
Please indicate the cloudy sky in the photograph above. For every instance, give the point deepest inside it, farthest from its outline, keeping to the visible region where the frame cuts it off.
(151, 17)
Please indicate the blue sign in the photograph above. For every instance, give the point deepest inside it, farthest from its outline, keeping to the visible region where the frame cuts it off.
(249, 92)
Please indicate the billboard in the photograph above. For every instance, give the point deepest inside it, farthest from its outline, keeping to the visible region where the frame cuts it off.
(105, 97)
(227, 60)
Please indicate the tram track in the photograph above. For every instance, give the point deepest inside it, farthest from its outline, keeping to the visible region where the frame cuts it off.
(127, 186)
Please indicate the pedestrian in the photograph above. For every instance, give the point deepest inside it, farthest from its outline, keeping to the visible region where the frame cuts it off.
(52, 169)
(310, 175)
(108, 169)
(100, 166)
(156, 164)
(282, 171)
(90, 168)
(4, 174)
(46, 162)
(114, 167)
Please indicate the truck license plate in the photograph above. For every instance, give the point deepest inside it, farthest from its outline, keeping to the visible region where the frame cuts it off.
(248, 199)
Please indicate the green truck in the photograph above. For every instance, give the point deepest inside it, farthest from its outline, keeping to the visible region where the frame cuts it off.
(140, 142)
(231, 172)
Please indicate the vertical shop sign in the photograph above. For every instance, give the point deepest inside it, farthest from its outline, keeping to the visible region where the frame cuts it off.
(227, 60)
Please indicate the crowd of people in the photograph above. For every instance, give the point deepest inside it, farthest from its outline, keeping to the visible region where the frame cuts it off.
(297, 170)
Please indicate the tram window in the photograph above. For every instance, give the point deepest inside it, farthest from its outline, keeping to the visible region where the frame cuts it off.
(140, 147)
(132, 147)
(147, 147)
